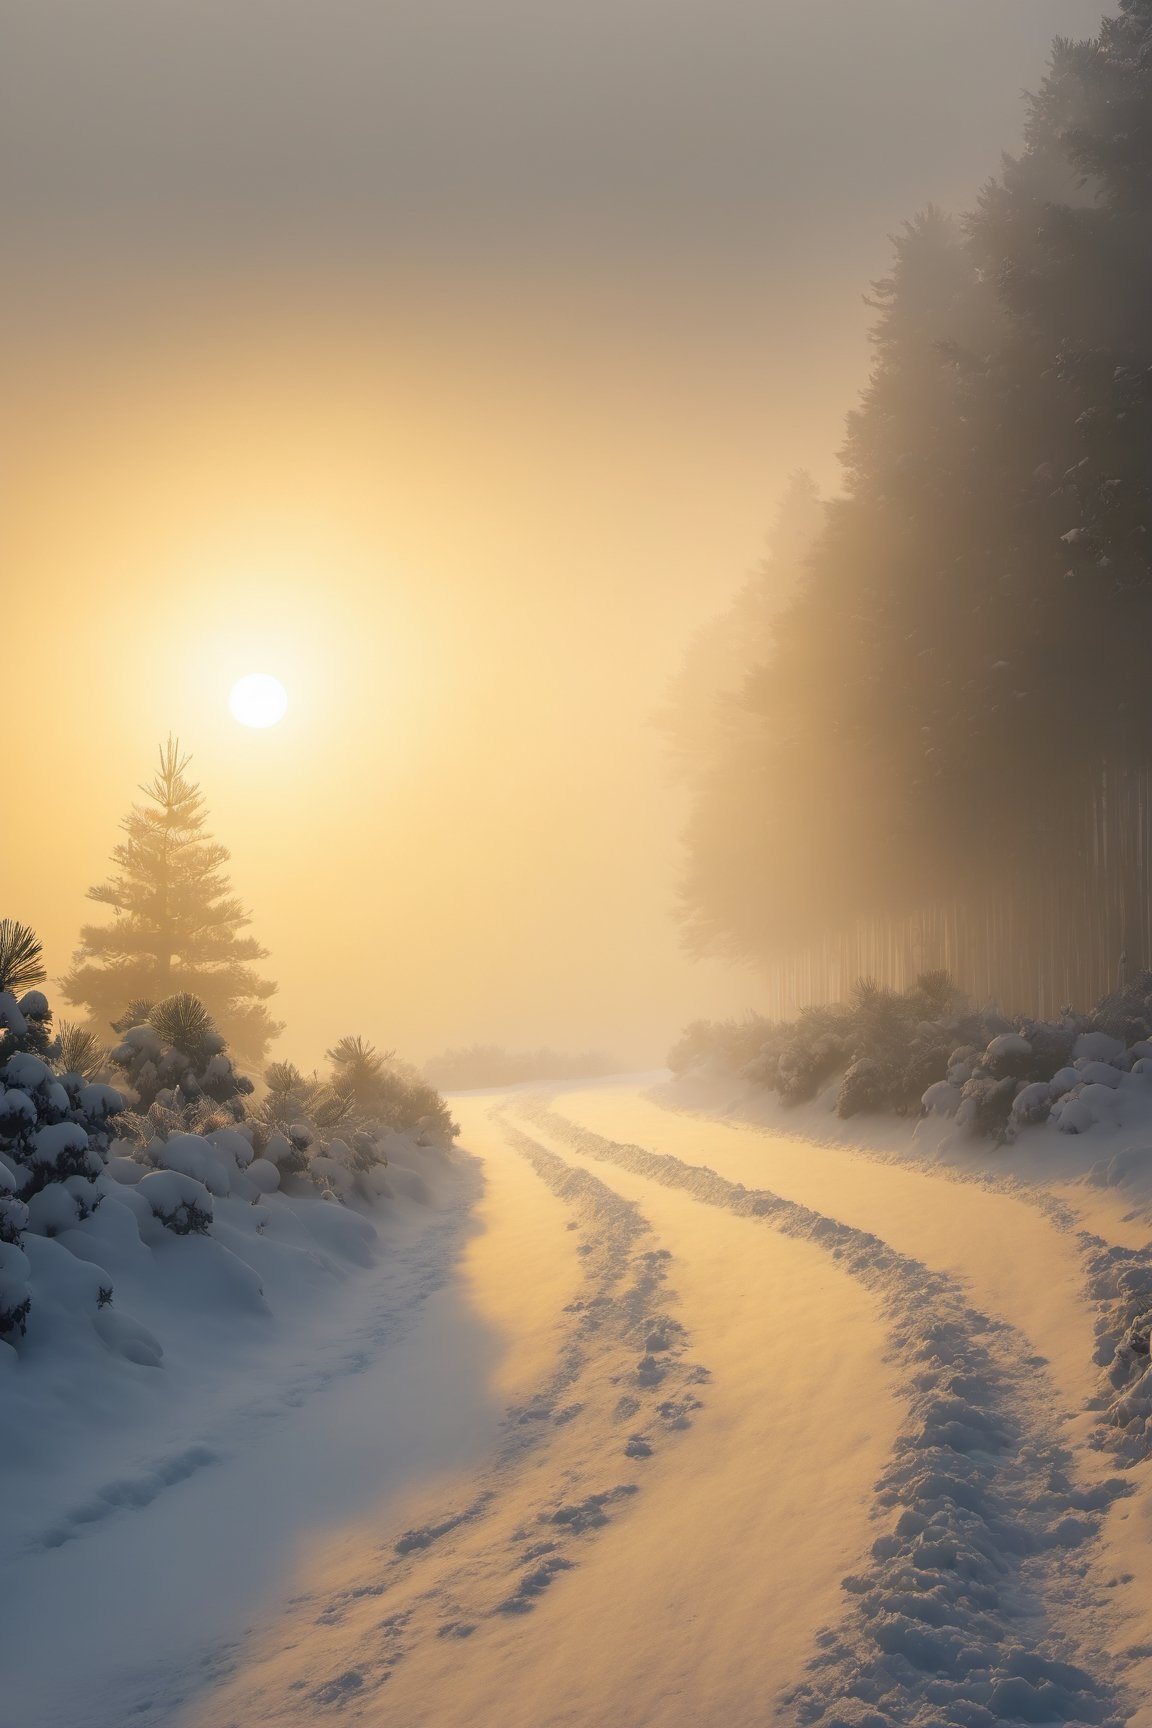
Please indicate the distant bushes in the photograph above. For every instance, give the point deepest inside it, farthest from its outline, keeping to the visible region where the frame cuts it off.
(886, 1045)
(926, 1051)
(379, 1088)
(177, 1133)
(490, 1065)
(335, 1127)
(332, 1129)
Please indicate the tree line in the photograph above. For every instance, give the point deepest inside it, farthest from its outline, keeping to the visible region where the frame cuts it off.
(933, 744)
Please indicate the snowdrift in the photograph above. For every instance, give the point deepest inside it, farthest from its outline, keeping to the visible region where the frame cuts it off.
(119, 1262)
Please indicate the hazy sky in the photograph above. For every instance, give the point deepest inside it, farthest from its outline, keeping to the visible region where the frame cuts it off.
(453, 129)
(447, 361)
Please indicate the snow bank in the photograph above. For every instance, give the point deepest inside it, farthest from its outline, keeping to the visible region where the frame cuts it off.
(108, 1248)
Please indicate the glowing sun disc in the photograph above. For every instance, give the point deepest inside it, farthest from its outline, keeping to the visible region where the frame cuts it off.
(258, 700)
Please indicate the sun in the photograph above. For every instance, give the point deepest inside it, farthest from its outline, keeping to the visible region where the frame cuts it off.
(258, 700)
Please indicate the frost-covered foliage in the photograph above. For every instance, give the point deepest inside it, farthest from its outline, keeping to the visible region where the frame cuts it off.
(477, 1065)
(1073, 1073)
(336, 1129)
(20, 957)
(382, 1090)
(925, 1050)
(81, 1052)
(171, 1176)
(293, 1096)
(176, 1069)
(55, 1128)
(886, 1046)
(189, 1107)
(720, 1046)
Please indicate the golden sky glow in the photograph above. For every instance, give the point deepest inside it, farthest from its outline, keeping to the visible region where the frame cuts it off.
(473, 572)
(451, 375)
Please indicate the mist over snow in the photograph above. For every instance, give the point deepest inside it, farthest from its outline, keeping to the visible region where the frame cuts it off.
(576, 934)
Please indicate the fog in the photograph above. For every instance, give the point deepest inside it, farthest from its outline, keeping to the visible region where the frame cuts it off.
(446, 362)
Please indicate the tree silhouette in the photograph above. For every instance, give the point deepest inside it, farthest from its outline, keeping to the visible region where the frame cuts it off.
(177, 929)
(946, 755)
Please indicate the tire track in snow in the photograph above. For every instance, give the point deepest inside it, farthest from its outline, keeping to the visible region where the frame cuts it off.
(1117, 1277)
(622, 1364)
(919, 1158)
(970, 1610)
(1121, 1281)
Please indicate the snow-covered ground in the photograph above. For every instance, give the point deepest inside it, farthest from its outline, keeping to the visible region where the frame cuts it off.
(702, 1412)
(312, 1356)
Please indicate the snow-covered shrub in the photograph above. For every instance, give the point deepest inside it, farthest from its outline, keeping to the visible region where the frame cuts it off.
(1125, 1014)
(52, 1127)
(177, 1071)
(1070, 1072)
(182, 1204)
(986, 1105)
(385, 1092)
(867, 1086)
(1008, 1057)
(805, 1063)
(288, 1152)
(193, 1116)
(721, 1046)
(926, 1050)
(293, 1097)
(79, 1051)
(1052, 1044)
(1032, 1104)
(182, 1200)
(331, 1166)
(889, 1046)
(55, 1128)
(334, 1128)
(943, 1098)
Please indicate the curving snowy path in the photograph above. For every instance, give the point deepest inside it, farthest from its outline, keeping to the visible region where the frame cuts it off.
(1014, 1259)
(706, 1426)
(677, 1493)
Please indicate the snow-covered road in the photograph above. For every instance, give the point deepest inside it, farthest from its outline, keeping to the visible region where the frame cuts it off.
(696, 1419)
(705, 1426)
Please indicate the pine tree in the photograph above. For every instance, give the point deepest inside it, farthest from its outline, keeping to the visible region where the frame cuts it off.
(997, 666)
(177, 927)
(25, 1022)
(954, 720)
(20, 957)
(827, 741)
